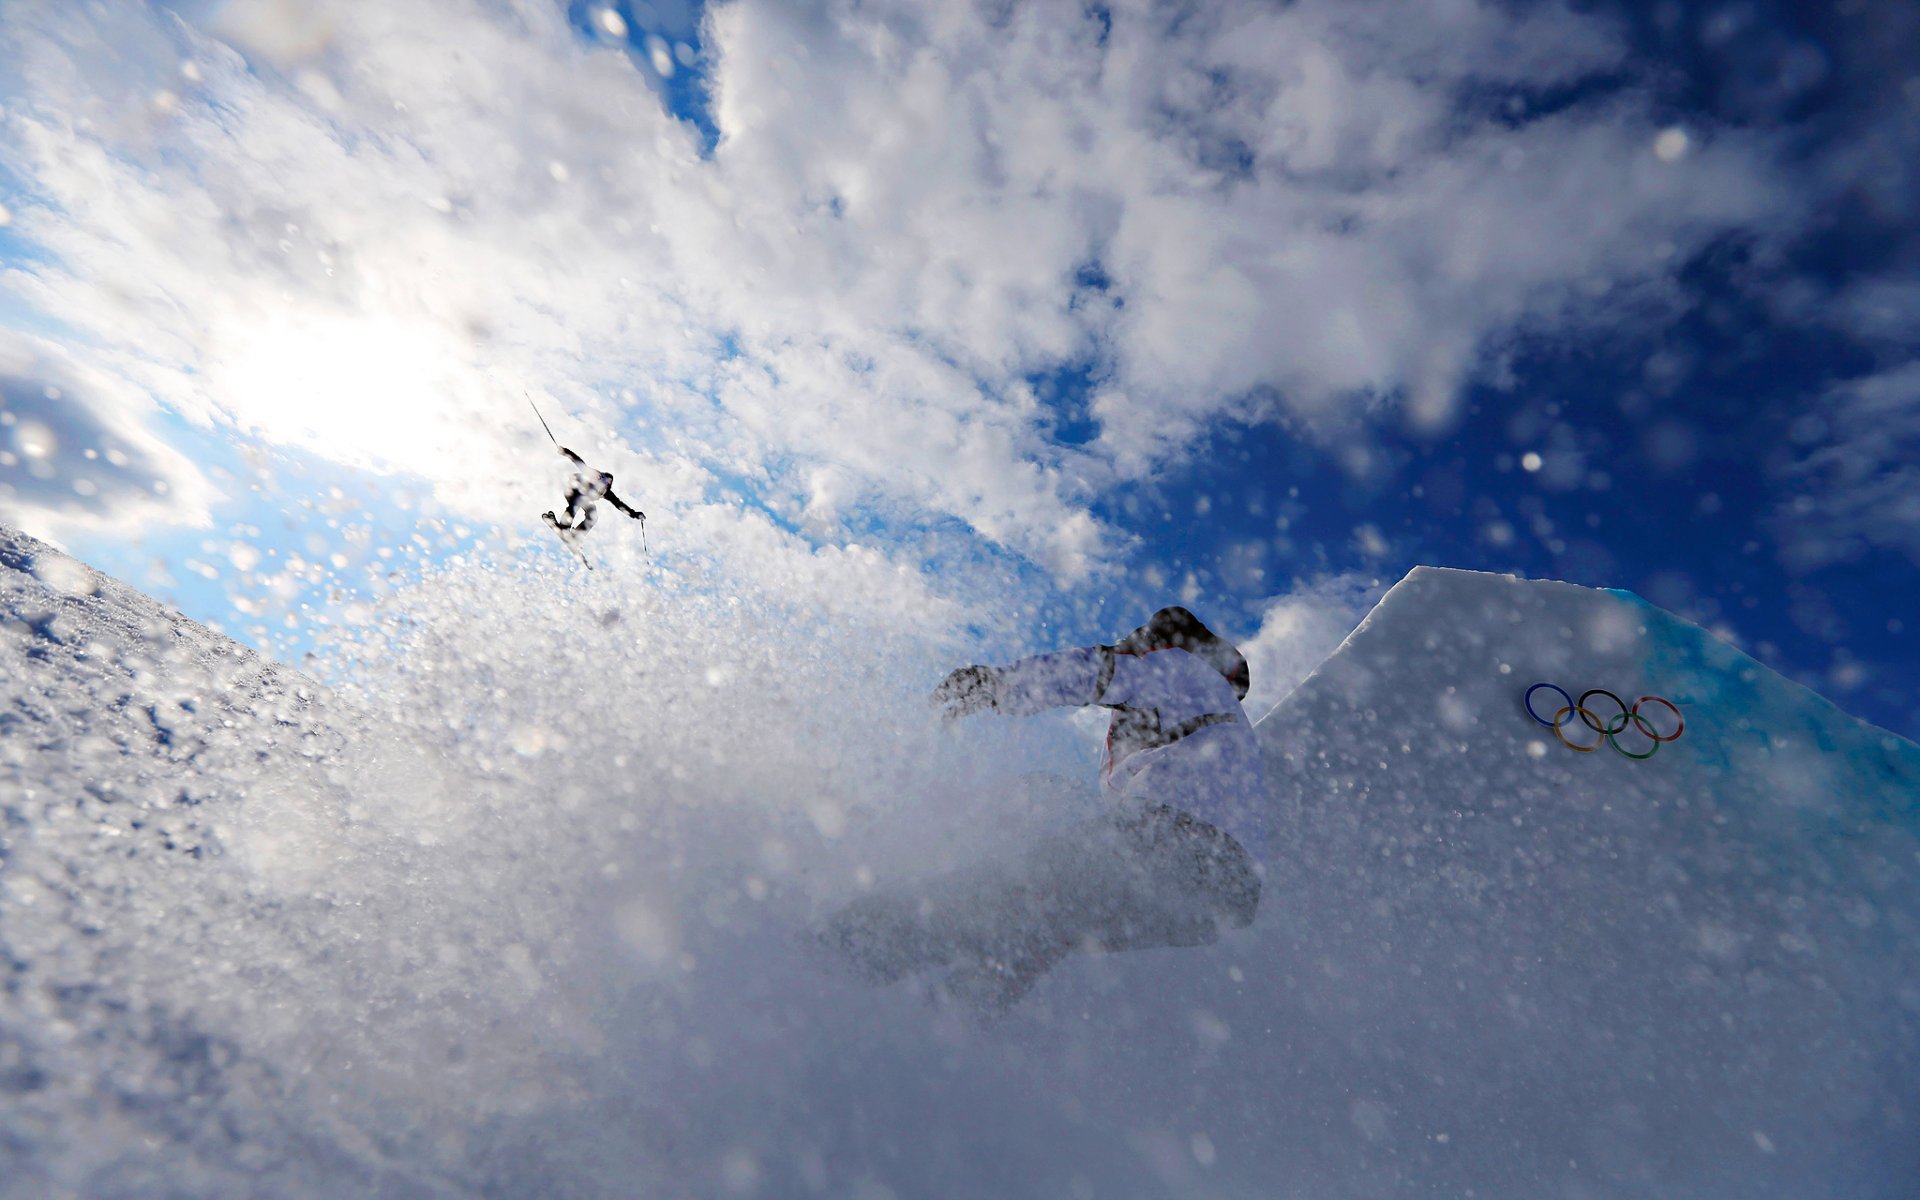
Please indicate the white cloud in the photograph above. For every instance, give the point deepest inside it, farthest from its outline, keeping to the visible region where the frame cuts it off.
(1857, 483)
(1884, 309)
(365, 238)
(1297, 632)
(77, 452)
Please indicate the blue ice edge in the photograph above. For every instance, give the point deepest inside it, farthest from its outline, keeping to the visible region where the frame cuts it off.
(1725, 690)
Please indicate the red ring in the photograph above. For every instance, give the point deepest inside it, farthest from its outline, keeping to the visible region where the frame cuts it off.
(1675, 735)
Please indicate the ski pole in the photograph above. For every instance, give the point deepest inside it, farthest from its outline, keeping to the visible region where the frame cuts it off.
(543, 420)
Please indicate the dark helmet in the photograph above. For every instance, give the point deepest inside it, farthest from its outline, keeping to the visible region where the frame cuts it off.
(1177, 629)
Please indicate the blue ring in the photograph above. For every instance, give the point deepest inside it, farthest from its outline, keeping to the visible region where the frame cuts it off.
(1536, 687)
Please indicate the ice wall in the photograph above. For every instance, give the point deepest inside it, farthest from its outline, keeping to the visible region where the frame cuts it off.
(521, 911)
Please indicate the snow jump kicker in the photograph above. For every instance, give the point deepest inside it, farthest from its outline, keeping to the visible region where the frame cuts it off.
(1628, 716)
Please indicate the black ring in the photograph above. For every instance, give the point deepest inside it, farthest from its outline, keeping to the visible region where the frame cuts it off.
(1586, 718)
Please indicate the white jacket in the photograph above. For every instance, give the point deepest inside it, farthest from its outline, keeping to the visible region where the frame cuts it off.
(1164, 748)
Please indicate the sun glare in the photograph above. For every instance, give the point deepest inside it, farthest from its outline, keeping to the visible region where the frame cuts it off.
(356, 388)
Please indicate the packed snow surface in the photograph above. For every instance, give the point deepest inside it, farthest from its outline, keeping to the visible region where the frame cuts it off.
(521, 908)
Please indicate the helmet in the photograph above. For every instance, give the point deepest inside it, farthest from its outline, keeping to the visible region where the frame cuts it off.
(1177, 629)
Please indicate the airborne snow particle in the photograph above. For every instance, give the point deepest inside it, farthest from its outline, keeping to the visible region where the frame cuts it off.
(740, 1171)
(649, 933)
(828, 818)
(64, 574)
(529, 740)
(1370, 1118)
(1671, 145)
(35, 440)
(611, 23)
(1530, 461)
(6, 216)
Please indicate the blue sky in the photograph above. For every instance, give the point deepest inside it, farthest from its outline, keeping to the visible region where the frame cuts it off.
(1018, 324)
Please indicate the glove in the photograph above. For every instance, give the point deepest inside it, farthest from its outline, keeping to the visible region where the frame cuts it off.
(967, 691)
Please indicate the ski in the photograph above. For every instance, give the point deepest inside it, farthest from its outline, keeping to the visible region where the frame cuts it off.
(553, 523)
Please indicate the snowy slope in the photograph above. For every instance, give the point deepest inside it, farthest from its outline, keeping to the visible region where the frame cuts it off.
(462, 937)
(226, 941)
(127, 733)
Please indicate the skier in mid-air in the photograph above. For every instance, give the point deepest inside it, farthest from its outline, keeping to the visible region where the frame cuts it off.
(1170, 864)
(584, 490)
(587, 488)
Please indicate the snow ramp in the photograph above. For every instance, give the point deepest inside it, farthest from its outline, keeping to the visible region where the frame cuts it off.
(1538, 970)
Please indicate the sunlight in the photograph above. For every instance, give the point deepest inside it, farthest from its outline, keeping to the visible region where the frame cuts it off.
(356, 388)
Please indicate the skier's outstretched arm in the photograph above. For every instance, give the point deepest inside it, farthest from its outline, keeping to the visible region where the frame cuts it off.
(575, 457)
(1063, 679)
(623, 506)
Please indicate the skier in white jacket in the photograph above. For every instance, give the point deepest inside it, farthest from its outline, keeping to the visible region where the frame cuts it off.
(1171, 864)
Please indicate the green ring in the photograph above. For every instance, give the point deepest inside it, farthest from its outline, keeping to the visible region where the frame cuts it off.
(1611, 741)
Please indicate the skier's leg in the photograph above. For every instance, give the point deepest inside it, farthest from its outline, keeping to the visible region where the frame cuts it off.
(1191, 882)
(1084, 890)
(587, 517)
(980, 912)
(1155, 877)
(884, 937)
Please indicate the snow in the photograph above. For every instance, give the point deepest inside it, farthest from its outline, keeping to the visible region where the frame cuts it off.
(519, 907)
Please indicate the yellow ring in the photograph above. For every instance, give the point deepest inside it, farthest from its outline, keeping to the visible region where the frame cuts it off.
(1563, 737)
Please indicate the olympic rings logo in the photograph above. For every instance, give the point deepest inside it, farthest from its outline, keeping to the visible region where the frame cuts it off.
(1607, 732)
